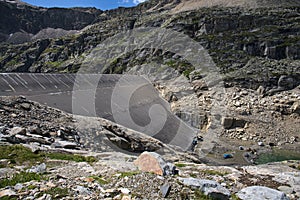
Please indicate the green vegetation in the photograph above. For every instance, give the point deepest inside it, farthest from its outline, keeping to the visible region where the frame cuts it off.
(17, 154)
(171, 63)
(71, 157)
(193, 175)
(214, 172)
(56, 193)
(200, 196)
(100, 180)
(12, 62)
(234, 197)
(187, 72)
(128, 174)
(22, 177)
(180, 165)
(51, 50)
(54, 64)
(31, 187)
(2, 166)
(8, 198)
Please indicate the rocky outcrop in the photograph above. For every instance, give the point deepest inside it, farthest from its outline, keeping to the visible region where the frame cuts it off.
(27, 19)
(239, 42)
(20, 124)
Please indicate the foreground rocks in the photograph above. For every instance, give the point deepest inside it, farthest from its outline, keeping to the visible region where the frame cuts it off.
(114, 176)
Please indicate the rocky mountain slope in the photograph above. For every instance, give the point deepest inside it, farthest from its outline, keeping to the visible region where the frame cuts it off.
(236, 37)
(255, 46)
(19, 21)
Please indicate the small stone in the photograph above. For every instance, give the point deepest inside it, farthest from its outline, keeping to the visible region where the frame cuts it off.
(227, 122)
(261, 144)
(260, 90)
(286, 189)
(124, 190)
(26, 106)
(64, 144)
(18, 186)
(126, 197)
(224, 184)
(296, 108)
(45, 197)
(17, 131)
(165, 190)
(82, 190)
(89, 180)
(8, 192)
(35, 130)
(38, 169)
(112, 190)
(53, 134)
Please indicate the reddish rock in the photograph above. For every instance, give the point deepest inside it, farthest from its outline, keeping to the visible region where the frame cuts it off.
(153, 162)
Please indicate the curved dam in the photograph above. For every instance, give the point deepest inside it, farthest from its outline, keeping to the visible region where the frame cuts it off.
(131, 101)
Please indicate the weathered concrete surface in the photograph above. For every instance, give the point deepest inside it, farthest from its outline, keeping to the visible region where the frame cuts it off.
(131, 101)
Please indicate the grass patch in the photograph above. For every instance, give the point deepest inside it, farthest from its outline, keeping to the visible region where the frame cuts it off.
(31, 187)
(193, 175)
(8, 198)
(54, 64)
(100, 180)
(17, 154)
(71, 157)
(234, 197)
(214, 172)
(2, 166)
(56, 193)
(180, 165)
(22, 177)
(128, 174)
(187, 72)
(200, 196)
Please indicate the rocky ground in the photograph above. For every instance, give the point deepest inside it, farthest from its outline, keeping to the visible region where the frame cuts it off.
(63, 162)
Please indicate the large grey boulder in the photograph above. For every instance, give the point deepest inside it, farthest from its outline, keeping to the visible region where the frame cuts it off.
(210, 188)
(262, 193)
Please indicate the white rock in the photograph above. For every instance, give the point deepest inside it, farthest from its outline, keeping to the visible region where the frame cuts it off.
(261, 193)
(210, 188)
(7, 192)
(17, 131)
(124, 190)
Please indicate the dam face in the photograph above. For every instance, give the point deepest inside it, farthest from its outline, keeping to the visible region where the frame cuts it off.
(131, 101)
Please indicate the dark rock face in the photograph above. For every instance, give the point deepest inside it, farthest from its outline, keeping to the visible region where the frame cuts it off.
(18, 17)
